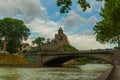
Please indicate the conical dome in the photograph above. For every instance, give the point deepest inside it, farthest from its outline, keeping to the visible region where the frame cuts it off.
(60, 30)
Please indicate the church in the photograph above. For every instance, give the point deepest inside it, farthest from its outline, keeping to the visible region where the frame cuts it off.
(59, 40)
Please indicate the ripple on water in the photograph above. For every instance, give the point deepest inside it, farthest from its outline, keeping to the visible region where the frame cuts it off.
(85, 72)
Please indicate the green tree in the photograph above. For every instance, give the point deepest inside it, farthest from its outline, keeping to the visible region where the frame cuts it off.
(108, 29)
(65, 5)
(13, 31)
(39, 41)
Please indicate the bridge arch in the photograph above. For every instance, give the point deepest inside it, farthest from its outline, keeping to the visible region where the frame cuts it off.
(59, 60)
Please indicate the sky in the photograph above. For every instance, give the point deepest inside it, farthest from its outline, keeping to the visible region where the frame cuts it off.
(43, 19)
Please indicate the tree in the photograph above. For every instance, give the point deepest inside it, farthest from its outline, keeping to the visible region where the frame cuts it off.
(39, 41)
(65, 5)
(13, 31)
(108, 29)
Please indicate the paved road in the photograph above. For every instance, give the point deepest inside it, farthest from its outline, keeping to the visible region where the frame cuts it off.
(115, 74)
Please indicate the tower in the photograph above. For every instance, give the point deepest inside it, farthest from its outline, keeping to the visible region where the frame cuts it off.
(60, 31)
(61, 38)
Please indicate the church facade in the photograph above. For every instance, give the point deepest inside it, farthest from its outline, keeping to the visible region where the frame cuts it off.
(59, 40)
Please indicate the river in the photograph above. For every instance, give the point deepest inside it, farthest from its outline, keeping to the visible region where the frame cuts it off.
(84, 72)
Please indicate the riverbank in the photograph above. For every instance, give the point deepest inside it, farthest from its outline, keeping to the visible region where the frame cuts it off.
(13, 59)
(16, 61)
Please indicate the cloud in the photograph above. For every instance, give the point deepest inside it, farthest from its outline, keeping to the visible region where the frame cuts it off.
(57, 14)
(82, 41)
(43, 28)
(75, 20)
(34, 15)
(26, 10)
(85, 42)
(28, 41)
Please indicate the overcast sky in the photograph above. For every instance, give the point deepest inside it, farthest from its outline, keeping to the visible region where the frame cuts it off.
(43, 19)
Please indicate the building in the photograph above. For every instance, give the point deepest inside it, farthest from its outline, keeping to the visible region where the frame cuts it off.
(59, 40)
(26, 46)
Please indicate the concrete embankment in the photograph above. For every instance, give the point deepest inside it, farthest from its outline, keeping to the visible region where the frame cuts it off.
(115, 74)
(106, 74)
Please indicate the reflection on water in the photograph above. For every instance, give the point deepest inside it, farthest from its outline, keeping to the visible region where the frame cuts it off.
(85, 72)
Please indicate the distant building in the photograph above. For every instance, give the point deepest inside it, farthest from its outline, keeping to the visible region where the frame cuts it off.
(60, 39)
(26, 46)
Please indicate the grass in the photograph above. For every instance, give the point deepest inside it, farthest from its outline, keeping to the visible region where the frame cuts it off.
(14, 59)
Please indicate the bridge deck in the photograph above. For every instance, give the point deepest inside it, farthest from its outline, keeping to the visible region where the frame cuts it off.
(81, 52)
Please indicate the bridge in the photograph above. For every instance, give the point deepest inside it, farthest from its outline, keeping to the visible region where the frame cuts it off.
(111, 56)
(58, 58)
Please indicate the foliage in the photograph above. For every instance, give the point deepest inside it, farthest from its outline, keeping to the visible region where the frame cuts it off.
(45, 50)
(82, 60)
(65, 5)
(68, 48)
(32, 50)
(63, 48)
(77, 61)
(25, 51)
(108, 29)
(13, 31)
(39, 41)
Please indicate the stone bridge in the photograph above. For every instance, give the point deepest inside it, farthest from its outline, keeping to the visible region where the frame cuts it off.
(58, 58)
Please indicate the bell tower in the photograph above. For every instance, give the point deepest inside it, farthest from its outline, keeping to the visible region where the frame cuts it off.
(60, 31)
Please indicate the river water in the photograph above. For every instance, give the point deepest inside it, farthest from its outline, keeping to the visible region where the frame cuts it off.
(84, 72)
